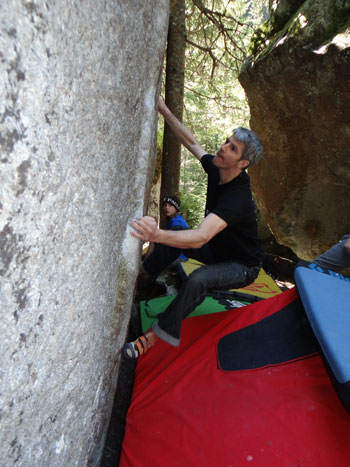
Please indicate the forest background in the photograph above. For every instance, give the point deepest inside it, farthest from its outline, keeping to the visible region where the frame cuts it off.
(208, 40)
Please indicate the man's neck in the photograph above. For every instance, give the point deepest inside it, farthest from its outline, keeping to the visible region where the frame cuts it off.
(227, 176)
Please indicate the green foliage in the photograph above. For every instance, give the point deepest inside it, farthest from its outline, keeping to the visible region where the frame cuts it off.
(259, 38)
(160, 135)
(218, 37)
(192, 208)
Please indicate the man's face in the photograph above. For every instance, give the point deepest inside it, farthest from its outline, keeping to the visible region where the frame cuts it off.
(229, 155)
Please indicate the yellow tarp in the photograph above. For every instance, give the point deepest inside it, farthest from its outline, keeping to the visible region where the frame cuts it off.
(263, 286)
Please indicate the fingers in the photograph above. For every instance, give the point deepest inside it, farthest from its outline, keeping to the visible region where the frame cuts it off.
(144, 228)
(143, 224)
(136, 235)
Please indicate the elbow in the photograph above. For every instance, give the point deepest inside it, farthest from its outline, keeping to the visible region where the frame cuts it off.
(191, 142)
(201, 243)
(201, 240)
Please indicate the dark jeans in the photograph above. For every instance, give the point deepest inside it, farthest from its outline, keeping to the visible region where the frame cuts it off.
(215, 274)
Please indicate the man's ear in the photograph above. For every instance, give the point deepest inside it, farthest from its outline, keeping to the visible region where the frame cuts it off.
(243, 164)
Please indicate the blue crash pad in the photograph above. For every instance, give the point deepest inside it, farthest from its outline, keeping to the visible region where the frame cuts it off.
(326, 300)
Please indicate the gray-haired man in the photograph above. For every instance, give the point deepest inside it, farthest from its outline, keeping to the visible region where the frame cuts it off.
(226, 241)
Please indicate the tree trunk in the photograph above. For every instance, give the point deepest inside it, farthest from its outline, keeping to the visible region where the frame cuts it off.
(174, 96)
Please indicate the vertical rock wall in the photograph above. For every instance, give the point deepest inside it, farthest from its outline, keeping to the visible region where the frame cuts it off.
(78, 83)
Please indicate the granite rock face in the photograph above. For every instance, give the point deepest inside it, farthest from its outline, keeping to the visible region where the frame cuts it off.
(297, 84)
(79, 83)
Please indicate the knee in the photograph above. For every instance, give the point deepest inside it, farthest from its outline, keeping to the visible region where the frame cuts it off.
(197, 280)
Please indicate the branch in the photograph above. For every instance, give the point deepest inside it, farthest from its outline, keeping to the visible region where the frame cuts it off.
(217, 100)
(215, 60)
(209, 51)
(210, 14)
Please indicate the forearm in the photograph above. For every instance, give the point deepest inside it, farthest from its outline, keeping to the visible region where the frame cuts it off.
(145, 228)
(182, 133)
(180, 238)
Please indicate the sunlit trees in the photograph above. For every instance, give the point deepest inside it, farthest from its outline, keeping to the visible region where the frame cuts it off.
(217, 40)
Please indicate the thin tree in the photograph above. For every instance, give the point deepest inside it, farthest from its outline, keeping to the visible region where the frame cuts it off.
(174, 95)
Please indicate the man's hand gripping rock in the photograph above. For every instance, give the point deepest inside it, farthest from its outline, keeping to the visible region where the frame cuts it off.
(145, 229)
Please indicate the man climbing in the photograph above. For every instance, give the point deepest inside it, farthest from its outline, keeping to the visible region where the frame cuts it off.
(226, 241)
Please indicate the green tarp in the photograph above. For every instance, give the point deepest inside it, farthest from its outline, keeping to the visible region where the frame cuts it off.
(149, 309)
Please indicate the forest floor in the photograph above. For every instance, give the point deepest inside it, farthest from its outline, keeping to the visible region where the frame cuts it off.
(281, 270)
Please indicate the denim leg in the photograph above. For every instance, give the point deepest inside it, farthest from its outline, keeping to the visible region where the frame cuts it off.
(336, 258)
(159, 259)
(164, 255)
(225, 275)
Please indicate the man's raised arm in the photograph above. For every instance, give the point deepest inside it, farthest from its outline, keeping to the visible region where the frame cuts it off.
(180, 131)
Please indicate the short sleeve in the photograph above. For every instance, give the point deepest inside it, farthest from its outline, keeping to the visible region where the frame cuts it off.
(207, 163)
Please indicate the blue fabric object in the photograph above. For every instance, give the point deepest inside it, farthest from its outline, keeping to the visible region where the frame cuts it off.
(178, 223)
(326, 299)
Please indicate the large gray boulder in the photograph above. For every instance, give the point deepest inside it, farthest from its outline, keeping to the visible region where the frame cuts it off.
(297, 83)
(79, 83)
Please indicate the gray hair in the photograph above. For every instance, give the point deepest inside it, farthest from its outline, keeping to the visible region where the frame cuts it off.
(252, 145)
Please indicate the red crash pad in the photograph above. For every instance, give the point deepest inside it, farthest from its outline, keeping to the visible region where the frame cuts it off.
(186, 411)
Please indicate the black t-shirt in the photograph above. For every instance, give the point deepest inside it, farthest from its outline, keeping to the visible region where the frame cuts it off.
(233, 202)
